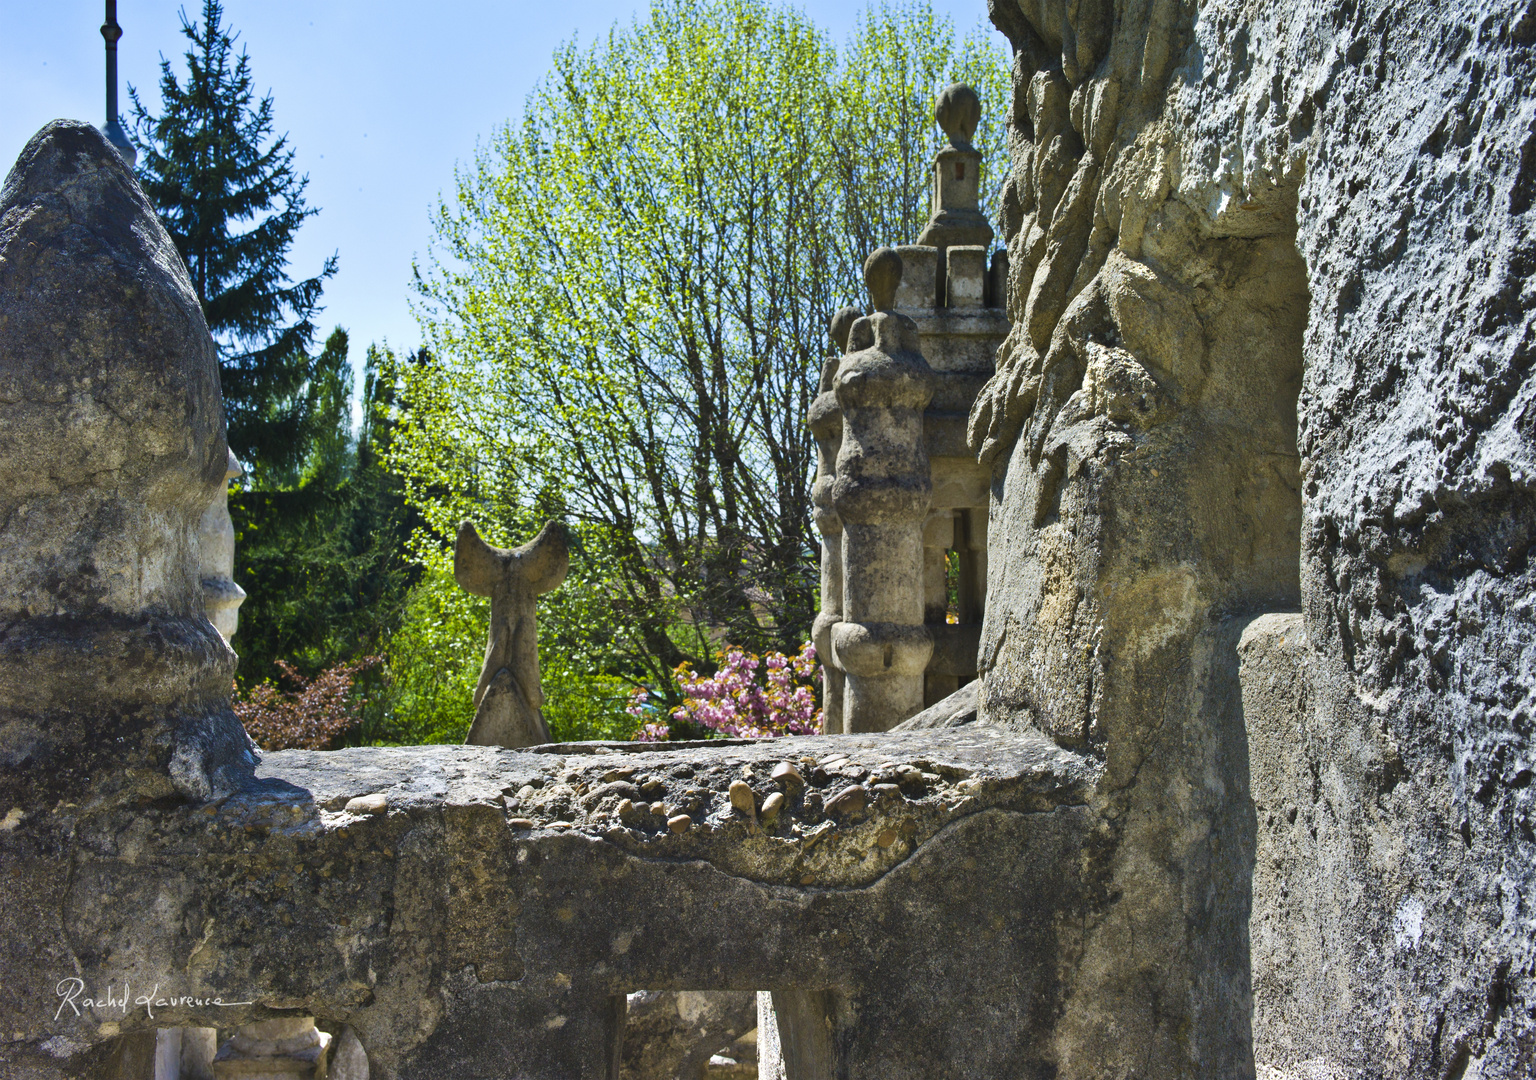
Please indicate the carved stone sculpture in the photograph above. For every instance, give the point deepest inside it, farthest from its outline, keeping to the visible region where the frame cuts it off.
(826, 423)
(111, 449)
(216, 535)
(509, 699)
(954, 297)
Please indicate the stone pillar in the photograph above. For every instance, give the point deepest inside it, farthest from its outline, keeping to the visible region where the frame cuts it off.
(949, 289)
(881, 494)
(825, 420)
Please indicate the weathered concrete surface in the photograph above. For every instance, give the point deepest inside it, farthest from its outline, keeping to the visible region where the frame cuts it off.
(483, 922)
(1269, 288)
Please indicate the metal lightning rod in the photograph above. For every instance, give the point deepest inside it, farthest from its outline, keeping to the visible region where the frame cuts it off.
(113, 129)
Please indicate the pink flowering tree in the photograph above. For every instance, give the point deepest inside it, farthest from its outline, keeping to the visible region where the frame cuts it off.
(733, 702)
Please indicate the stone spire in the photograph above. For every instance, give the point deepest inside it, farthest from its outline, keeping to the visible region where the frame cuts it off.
(956, 218)
(113, 128)
(881, 496)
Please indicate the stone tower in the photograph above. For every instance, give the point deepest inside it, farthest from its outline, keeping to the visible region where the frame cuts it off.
(952, 295)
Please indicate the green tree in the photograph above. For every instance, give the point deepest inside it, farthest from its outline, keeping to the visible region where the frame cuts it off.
(231, 201)
(323, 556)
(628, 296)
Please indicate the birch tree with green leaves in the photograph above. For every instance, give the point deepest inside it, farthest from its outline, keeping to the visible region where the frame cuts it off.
(626, 308)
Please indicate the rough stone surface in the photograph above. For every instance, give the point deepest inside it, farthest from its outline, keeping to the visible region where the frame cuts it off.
(1271, 322)
(673, 1034)
(111, 447)
(433, 927)
(954, 711)
(222, 597)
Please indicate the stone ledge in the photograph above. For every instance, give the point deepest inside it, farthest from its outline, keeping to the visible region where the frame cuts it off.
(862, 804)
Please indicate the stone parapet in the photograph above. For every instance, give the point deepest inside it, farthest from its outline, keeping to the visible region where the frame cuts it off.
(477, 911)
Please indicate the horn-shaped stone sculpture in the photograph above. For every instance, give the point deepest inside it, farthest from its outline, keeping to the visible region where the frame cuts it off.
(509, 699)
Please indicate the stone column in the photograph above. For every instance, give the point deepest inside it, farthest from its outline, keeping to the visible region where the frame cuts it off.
(825, 420)
(881, 494)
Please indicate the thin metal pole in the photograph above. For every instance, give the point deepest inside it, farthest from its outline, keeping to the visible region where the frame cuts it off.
(111, 31)
(113, 129)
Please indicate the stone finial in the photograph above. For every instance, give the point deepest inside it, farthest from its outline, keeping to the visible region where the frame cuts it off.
(956, 218)
(509, 698)
(842, 322)
(882, 275)
(958, 111)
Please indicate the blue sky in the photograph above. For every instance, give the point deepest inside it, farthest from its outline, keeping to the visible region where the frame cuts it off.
(380, 100)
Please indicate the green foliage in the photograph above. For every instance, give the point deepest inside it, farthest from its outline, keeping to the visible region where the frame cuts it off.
(626, 310)
(433, 660)
(324, 559)
(229, 198)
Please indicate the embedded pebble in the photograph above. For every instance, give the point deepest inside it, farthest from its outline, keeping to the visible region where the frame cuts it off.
(772, 805)
(659, 809)
(616, 787)
(787, 774)
(742, 797)
(848, 801)
(520, 823)
(680, 824)
(887, 838)
(367, 804)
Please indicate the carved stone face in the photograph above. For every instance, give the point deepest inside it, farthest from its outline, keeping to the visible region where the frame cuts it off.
(216, 541)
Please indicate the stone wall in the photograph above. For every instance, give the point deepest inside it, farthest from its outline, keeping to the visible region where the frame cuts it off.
(1270, 268)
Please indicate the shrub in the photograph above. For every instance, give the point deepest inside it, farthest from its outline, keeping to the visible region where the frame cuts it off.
(732, 703)
(311, 716)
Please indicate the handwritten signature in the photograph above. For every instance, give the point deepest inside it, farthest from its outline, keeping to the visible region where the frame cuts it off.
(71, 993)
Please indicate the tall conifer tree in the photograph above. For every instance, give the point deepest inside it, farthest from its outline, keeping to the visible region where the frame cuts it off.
(230, 199)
